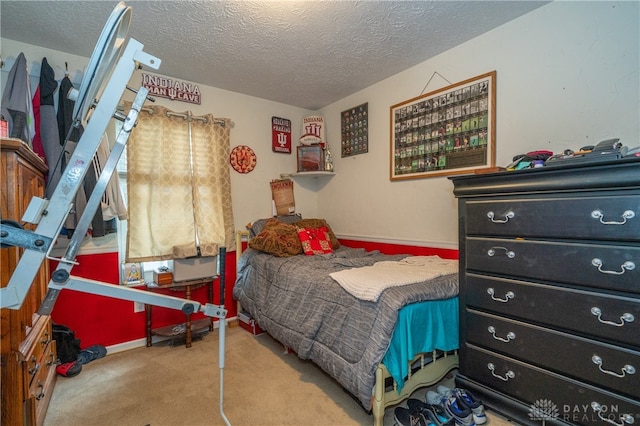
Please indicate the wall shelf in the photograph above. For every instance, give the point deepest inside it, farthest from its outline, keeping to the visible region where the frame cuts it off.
(312, 174)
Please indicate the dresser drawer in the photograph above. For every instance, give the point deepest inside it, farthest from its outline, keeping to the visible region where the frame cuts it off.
(612, 367)
(37, 387)
(611, 218)
(566, 399)
(42, 386)
(608, 266)
(34, 349)
(610, 317)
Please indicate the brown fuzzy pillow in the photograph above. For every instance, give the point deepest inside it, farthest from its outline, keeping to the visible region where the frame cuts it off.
(277, 238)
(256, 227)
(318, 223)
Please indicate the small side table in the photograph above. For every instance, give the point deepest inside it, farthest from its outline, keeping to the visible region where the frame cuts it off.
(170, 331)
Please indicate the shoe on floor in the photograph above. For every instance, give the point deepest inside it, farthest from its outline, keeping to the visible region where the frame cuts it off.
(467, 400)
(434, 414)
(444, 391)
(454, 407)
(69, 369)
(91, 354)
(434, 398)
(406, 417)
(471, 402)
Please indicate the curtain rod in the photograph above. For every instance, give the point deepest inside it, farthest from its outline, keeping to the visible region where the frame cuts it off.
(189, 116)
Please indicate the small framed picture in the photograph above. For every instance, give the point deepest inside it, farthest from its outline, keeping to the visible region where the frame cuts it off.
(131, 274)
(310, 158)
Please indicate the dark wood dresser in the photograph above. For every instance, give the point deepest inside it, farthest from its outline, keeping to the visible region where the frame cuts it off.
(28, 349)
(550, 292)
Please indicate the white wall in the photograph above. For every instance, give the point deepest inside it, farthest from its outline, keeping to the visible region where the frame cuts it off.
(567, 76)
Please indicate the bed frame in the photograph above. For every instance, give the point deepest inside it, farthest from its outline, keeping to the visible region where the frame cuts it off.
(425, 369)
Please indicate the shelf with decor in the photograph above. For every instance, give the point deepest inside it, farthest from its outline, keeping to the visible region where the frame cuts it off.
(312, 174)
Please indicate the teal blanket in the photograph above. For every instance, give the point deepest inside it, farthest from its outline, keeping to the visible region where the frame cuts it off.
(440, 318)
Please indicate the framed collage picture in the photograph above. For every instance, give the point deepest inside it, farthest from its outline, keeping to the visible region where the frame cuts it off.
(445, 132)
(354, 127)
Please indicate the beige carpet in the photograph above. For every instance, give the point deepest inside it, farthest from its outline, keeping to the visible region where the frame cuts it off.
(165, 385)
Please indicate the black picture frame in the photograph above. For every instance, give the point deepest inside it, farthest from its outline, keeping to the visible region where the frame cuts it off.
(354, 130)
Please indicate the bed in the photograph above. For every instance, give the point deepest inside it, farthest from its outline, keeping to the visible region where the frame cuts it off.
(380, 348)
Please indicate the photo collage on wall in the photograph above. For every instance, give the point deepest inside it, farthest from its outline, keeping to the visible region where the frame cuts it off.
(445, 132)
(355, 133)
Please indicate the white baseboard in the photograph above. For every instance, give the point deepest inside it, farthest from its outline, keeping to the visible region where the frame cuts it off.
(121, 347)
(141, 343)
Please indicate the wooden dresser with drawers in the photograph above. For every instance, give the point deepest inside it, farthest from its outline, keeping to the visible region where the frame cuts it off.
(550, 292)
(28, 349)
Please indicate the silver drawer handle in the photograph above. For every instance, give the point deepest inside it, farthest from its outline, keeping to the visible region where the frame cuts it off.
(625, 418)
(627, 214)
(508, 375)
(36, 366)
(509, 215)
(510, 335)
(627, 369)
(509, 253)
(626, 266)
(508, 295)
(40, 394)
(626, 317)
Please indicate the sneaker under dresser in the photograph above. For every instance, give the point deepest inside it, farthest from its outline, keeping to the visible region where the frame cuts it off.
(550, 292)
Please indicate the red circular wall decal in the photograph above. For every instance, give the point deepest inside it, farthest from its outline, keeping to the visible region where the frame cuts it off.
(243, 159)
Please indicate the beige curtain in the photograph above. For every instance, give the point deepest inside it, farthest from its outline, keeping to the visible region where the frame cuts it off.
(179, 186)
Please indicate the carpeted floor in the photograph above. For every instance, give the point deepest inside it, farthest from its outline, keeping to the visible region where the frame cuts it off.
(167, 385)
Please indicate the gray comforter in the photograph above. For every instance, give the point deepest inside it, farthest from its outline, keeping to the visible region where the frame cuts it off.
(296, 301)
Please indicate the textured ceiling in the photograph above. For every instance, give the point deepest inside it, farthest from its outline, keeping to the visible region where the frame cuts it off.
(302, 53)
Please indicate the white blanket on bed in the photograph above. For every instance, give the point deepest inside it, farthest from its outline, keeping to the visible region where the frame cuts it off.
(369, 282)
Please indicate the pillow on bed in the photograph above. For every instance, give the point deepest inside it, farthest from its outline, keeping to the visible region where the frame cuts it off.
(256, 227)
(315, 241)
(318, 223)
(277, 238)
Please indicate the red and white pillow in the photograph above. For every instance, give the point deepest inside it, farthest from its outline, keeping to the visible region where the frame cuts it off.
(315, 241)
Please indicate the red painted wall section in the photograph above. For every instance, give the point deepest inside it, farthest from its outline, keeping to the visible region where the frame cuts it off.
(108, 321)
(97, 319)
(402, 249)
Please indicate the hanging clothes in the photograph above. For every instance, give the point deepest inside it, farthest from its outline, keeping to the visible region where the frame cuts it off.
(65, 113)
(65, 124)
(113, 205)
(36, 143)
(49, 126)
(17, 102)
(80, 200)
